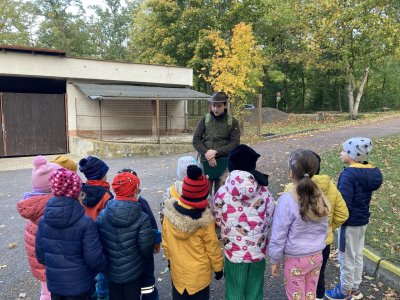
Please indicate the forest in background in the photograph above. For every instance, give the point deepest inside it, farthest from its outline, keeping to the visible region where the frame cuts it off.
(320, 55)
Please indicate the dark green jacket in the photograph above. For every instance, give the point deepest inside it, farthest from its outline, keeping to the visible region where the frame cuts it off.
(217, 136)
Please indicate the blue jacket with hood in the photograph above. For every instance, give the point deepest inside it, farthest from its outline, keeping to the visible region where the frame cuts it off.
(356, 184)
(68, 244)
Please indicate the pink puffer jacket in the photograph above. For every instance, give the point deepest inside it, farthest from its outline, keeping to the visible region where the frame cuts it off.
(32, 208)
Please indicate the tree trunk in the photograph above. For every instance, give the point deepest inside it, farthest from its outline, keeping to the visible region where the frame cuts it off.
(360, 92)
(287, 98)
(350, 90)
(303, 97)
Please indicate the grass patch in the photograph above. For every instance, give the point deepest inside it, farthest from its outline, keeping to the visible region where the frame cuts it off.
(383, 230)
(300, 122)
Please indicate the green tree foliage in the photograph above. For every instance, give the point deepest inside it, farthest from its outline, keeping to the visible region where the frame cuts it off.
(237, 66)
(64, 27)
(109, 29)
(15, 23)
(349, 36)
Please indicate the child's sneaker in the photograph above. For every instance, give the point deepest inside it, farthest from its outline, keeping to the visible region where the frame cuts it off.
(357, 295)
(336, 294)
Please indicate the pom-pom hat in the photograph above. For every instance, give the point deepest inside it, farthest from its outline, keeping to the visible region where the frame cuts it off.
(93, 168)
(41, 173)
(65, 183)
(195, 188)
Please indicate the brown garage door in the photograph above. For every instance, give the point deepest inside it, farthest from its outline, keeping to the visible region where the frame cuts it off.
(33, 124)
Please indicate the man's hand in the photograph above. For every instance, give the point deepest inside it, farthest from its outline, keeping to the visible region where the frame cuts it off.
(210, 154)
(212, 162)
(275, 270)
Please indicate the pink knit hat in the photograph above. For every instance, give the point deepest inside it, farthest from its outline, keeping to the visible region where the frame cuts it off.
(65, 183)
(41, 172)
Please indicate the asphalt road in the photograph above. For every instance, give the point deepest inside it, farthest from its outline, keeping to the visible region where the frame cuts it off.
(157, 173)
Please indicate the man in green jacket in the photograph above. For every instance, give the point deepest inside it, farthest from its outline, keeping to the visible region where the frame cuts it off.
(216, 135)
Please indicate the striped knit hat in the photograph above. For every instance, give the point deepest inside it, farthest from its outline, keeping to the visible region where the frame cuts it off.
(195, 188)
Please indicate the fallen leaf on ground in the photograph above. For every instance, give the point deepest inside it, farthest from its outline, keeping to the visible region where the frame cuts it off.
(12, 245)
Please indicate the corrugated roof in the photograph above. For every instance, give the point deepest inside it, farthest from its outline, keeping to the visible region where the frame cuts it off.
(112, 91)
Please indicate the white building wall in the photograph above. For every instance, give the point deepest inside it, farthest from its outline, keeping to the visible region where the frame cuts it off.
(27, 64)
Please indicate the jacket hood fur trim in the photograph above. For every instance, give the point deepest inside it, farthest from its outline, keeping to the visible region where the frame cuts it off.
(185, 223)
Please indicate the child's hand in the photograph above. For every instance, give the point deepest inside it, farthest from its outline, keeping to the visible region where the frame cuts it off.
(275, 269)
(156, 248)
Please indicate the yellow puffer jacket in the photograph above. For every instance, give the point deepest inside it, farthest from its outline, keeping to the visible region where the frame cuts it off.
(339, 212)
(191, 246)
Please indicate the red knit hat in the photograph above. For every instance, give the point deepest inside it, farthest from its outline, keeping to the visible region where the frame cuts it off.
(125, 185)
(65, 183)
(195, 188)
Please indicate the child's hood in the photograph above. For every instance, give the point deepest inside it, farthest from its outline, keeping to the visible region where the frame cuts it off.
(33, 207)
(369, 177)
(94, 193)
(62, 212)
(241, 185)
(323, 182)
(183, 227)
(122, 213)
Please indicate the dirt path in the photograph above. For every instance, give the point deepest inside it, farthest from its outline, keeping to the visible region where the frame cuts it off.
(157, 173)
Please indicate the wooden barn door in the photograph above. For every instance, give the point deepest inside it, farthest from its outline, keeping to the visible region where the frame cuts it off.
(33, 124)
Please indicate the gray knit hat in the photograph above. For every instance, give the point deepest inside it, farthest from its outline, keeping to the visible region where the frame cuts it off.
(358, 148)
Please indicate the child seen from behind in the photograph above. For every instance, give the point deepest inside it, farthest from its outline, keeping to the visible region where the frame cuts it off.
(32, 208)
(244, 209)
(67, 241)
(127, 238)
(299, 228)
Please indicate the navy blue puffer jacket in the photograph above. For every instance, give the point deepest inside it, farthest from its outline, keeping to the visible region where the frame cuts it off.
(127, 237)
(68, 243)
(356, 184)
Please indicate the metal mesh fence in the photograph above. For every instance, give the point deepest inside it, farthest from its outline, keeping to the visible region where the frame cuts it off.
(147, 121)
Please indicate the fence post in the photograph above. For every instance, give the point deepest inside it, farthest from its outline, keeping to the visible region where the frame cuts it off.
(158, 119)
(101, 122)
(259, 121)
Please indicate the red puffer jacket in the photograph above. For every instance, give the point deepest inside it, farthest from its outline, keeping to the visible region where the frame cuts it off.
(32, 209)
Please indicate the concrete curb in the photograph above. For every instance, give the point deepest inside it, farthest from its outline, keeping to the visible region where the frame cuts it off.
(276, 136)
(381, 269)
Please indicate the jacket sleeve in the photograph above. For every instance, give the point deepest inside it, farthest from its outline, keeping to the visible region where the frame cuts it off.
(146, 237)
(234, 139)
(269, 212)
(39, 247)
(198, 137)
(147, 210)
(213, 249)
(280, 229)
(346, 187)
(217, 209)
(164, 238)
(93, 249)
(340, 211)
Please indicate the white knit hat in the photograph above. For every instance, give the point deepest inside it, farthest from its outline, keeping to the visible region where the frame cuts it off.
(358, 148)
(183, 163)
